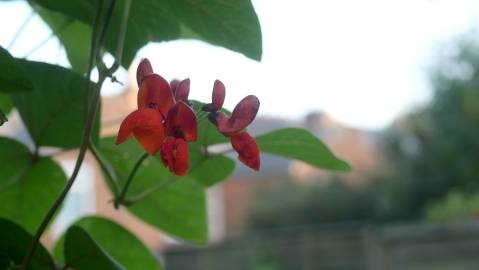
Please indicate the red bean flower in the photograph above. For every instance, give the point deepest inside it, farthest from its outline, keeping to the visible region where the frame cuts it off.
(233, 127)
(161, 122)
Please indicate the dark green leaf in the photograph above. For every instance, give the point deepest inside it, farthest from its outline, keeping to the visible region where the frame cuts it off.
(54, 112)
(149, 21)
(27, 188)
(83, 10)
(5, 104)
(17, 156)
(14, 244)
(176, 205)
(73, 34)
(231, 24)
(300, 144)
(212, 170)
(83, 253)
(119, 243)
(13, 78)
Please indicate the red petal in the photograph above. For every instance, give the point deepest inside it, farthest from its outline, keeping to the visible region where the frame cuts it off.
(217, 98)
(174, 154)
(144, 69)
(181, 122)
(173, 84)
(181, 162)
(147, 127)
(243, 114)
(155, 92)
(167, 152)
(248, 151)
(182, 90)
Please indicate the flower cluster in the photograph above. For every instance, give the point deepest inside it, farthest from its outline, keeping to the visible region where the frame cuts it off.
(165, 122)
(233, 127)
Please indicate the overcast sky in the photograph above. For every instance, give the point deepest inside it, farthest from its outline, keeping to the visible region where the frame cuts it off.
(362, 61)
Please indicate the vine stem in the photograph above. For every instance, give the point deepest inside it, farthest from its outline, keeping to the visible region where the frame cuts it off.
(122, 195)
(90, 120)
(76, 170)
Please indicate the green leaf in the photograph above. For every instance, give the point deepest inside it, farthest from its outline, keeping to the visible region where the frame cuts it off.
(300, 144)
(54, 112)
(231, 24)
(177, 208)
(119, 243)
(27, 188)
(212, 170)
(73, 34)
(83, 10)
(6, 104)
(14, 245)
(18, 158)
(13, 78)
(83, 253)
(149, 21)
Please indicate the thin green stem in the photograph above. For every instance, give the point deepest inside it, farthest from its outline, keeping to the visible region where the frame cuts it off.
(122, 34)
(20, 30)
(131, 200)
(81, 156)
(106, 167)
(119, 199)
(90, 120)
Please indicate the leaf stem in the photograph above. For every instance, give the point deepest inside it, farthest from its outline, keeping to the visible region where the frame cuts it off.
(106, 167)
(119, 199)
(131, 200)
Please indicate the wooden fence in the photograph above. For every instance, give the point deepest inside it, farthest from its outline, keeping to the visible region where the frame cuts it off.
(339, 247)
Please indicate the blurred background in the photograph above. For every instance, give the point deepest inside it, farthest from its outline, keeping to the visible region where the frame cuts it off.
(392, 87)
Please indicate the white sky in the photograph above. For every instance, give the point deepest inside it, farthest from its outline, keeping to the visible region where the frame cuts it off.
(361, 61)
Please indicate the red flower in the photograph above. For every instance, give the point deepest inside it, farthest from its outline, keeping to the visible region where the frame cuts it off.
(248, 151)
(147, 127)
(174, 154)
(155, 93)
(154, 101)
(165, 122)
(181, 122)
(218, 97)
(243, 114)
(160, 122)
(180, 127)
(182, 90)
(144, 69)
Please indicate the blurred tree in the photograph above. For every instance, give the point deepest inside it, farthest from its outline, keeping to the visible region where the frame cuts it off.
(436, 148)
(291, 204)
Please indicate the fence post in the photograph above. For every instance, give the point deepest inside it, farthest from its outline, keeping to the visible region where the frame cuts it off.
(373, 248)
